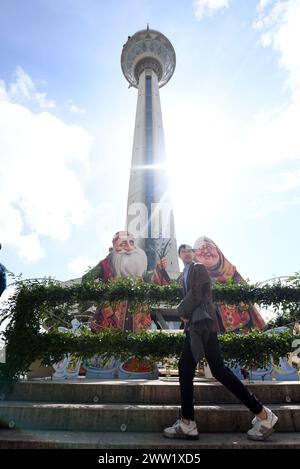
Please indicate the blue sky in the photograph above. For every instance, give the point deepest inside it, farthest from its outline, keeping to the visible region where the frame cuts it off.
(231, 118)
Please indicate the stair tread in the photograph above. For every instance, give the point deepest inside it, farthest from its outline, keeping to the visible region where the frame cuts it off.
(42, 404)
(173, 381)
(156, 392)
(130, 440)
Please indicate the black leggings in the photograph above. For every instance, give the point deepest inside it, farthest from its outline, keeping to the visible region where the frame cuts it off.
(187, 368)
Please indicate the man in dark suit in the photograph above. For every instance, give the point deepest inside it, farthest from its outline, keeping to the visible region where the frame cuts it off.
(197, 311)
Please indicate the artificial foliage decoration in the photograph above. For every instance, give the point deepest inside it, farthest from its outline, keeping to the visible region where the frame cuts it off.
(49, 303)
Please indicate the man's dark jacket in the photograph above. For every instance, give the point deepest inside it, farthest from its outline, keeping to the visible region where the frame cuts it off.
(198, 308)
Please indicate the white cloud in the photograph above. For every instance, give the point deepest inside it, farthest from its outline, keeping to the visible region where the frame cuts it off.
(76, 109)
(276, 136)
(289, 181)
(262, 5)
(40, 193)
(29, 248)
(208, 7)
(278, 22)
(43, 102)
(3, 93)
(23, 91)
(11, 225)
(81, 264)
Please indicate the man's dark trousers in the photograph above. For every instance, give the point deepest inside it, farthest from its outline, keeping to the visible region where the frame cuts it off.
(187, 368)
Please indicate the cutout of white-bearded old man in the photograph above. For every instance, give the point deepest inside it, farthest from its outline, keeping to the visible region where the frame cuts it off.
(125, 260)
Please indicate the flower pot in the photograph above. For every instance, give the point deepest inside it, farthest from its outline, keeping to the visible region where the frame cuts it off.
(138, 369)
(97, 368)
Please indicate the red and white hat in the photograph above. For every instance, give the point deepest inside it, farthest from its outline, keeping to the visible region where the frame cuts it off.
(122, 236)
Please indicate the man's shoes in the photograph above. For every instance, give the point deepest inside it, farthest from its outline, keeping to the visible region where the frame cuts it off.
(181, 430)
(262, 428)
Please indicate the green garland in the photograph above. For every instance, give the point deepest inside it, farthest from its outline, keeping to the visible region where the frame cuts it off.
(36, 302)
(161, 345)
(36, 293)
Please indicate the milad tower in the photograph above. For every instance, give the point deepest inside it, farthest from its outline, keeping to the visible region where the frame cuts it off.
(148, 61)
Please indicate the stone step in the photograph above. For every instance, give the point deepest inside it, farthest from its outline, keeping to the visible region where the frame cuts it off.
(20, 439)
(137, 417)
(161, 391)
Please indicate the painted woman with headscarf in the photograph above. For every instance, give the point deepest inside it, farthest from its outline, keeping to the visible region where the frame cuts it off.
(238, 318)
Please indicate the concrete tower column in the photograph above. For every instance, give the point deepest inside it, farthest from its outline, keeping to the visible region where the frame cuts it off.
(148, 62)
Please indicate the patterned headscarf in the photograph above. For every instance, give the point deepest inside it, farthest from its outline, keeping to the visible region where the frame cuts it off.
(223, 269)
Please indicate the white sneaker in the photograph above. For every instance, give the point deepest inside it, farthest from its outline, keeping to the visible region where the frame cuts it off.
(262, 428)
(182, 430)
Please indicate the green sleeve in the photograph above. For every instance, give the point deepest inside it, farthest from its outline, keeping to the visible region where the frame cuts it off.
(148, 276)
(93, 274)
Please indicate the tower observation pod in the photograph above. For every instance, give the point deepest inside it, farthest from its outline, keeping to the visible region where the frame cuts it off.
(148, 62)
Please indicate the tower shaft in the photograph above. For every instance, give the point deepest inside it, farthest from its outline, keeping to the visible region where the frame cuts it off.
(149, 209)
